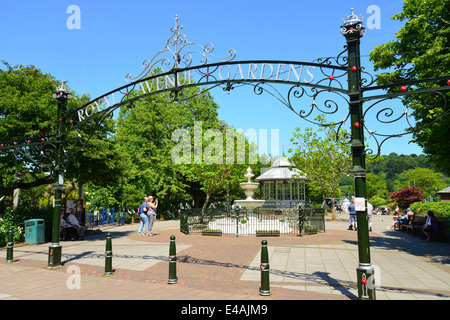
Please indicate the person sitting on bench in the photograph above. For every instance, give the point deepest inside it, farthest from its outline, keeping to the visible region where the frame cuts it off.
(408, 215)
(73, 221)
(69, 230)
(430, 226)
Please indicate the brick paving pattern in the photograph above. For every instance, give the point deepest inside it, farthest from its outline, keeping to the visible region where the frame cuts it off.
(314, 267)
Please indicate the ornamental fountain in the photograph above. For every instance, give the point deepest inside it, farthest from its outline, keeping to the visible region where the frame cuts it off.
(248, 223)
(249, 203)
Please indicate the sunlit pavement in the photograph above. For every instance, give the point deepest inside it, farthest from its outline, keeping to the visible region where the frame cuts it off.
(319, 267)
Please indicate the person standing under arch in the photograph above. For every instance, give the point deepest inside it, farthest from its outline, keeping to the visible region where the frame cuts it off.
(151, 214)
(352, 211)
(143, 209)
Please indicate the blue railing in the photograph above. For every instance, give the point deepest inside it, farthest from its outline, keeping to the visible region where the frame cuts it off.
(105, 216)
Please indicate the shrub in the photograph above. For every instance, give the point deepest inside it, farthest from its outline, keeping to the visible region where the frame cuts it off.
(310, 228)
(268, 231)
(441, 209)
(406, 196)
(15, 219)
(377, 201)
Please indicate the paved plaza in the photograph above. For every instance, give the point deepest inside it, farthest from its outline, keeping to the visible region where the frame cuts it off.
(314, 267)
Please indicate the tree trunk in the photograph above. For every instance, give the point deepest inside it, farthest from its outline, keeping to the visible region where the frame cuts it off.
(333, 209)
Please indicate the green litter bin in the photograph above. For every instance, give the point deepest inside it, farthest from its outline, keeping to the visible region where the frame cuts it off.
(35, 231)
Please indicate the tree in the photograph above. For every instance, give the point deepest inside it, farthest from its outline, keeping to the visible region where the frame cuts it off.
(158, 136)
(422, 178)
(143, 138)
(218, 168)
(324, 159)
(27, 111)
(375, 186)
(404, 197)
(421, 51)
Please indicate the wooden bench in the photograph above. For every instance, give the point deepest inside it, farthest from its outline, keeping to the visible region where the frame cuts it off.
(416, 221)
(405, 225)
(419, 222)
(397, 225)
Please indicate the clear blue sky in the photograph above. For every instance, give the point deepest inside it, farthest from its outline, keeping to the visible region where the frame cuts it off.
(117, 36)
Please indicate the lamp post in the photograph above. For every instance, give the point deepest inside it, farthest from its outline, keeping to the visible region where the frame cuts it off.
(353, 31)
(54, 252)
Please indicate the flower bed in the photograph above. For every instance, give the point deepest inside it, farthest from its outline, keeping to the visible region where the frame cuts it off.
(267, 233)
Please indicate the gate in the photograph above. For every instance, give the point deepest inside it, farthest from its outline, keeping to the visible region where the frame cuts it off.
(264, 222)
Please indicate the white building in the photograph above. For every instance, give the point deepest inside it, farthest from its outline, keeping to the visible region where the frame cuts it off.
(283, 185)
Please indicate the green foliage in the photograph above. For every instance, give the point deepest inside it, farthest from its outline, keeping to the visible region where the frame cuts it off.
(422, 178)
(15, 219)
(310, 228)
(420, 51)
(375, 186)
(268, 232)
(321, 157)
(28, 109)
(440, 209)
(377, 201)
(158, 137)
(389, 167)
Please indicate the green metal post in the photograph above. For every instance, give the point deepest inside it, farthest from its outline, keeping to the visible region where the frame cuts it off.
(264, 290)
(10, 247)
(353, 31)
(55, 250)
(172, 262)
(108, 256)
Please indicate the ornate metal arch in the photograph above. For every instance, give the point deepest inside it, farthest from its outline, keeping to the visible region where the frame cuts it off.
(174, 73)
(324, 92)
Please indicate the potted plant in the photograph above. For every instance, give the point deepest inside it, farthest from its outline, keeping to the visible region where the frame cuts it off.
(309, 229)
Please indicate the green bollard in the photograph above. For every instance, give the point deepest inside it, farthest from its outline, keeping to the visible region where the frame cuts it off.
(10, 247)
(264, 290)
(172, 262)
(108, 258)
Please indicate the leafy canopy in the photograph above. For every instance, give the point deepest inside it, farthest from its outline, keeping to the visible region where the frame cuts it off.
(422, 50)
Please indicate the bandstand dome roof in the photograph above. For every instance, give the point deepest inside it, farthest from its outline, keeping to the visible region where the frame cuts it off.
(282, 169)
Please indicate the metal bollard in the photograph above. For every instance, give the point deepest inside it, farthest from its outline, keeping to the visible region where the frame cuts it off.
(172, 262)
(10, 247)
(264, 290)
(108, 258)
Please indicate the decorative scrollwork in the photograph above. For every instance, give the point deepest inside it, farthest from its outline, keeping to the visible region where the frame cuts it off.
(318, 101)
(392, 114)
(340, 59)
(175, 46)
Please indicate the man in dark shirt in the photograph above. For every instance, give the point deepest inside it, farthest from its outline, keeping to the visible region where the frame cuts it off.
(352, 210)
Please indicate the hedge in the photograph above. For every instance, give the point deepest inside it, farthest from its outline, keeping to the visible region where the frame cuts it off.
(15, 219)
(440, 209)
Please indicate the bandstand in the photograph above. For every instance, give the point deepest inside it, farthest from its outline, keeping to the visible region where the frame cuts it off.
(283, 185)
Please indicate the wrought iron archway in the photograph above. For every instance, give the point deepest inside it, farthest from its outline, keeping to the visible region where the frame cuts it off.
(175, 72)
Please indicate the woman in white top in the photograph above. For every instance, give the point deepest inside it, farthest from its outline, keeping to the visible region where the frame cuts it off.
(430, 226)
(73, 221)
(151, 213)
